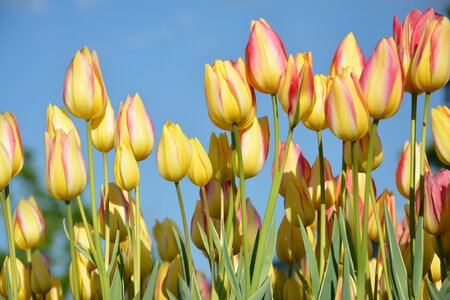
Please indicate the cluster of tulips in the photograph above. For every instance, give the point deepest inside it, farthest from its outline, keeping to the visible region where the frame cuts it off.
(339, 238)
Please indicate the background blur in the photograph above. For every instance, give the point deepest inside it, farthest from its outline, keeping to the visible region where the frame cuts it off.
(160, 50)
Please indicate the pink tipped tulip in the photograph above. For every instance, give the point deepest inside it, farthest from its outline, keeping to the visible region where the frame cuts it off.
(218, 198)
(386, 199)
(440, 127)
(314, 184)
(363, 152)
(29, 224)
(348, 54)
(316, 119)
(57, 118)
(265, 57)
(297, 203)
(253, 223)
(11, 140)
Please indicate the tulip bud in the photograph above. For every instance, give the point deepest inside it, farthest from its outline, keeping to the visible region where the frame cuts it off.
(296, 88)
(253, 223)
(255, 147)
(29, 225)
(345, 109)
(402, 172)
(348, 54)
(430, 66)
(280, 279)
(126, 169)
(84, 91)
(40, 274)
(165, 239)
(66, 175)
(6, 167)
(118, 213)
(104, 129)
(265, 57)
(199, 218)
(219, 154)
(440, 127)
(230, 99)
(316, 119)
(57, 119)
(428, 254)
(314, 184)
(56, 291)
(218, 198)
(170, 283)
(134, 128)
(363, 152)
(382, 81)
(174, 153)
(290, 248)
(385, 199)
(22, 279)
(80, 236)
(297, 203)
(435, 269)
(296, 168)
(203, 285)
(200, 171)
(11, 140)
(146, 254)
(88, 282)
(160, 277)
(293, 289)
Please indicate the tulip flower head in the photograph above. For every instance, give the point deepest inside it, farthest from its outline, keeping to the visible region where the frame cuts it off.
(81, 237)
(253, 223)
(218, 198)
(348, 54)
(220, 156)
(104, 129)
(56, 290)
(6, 167)
(297, 203)
(165, 239)
(11, 141)
(316, 119)
(126, 168)
(440, 127)
(22, 279)
(363, 152)
(314, 184)
(200, 171)
(41, 280)
(88, 282)
(386, 199)
(57, 119)
(29, 224)
(290, 246)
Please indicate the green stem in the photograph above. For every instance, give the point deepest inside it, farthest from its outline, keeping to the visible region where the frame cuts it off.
(76, 292)
(441, 258)
(107, 216)
(209, 234)
(412, 178)
(343, 182)
(276, 131)
(30, 270)
(137, 249)
(356, 222)
(243, 199)
(186, 230)
(322, 207)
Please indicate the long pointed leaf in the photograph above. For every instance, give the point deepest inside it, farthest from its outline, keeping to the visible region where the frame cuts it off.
(433, 292)
(312, 262)
(418, 259)
(183, 255)
(229, 270)
(329, 283)
(149, 292)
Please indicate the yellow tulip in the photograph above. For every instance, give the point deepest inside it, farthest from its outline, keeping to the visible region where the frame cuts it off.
(386, 199)
(290, 247)
(41, 281)
(6, 167)
(23, 279)
(57, 119)
(126, 168)
(56, 291)
(88, 282)
(160, 277)
(440, 127)
(314, 184)
(316, 119)
(146, 253)
(220, 155)
(80, 236)
(11, 140)
(104, 129)
(165, 239)
(218, 198)
(297, 203)
(348, 54)
(253, 223)
(29, 224)
(200, 171)
(170, 283)
(362, 145)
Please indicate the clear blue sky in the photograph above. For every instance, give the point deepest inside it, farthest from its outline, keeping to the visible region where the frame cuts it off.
(160, 50)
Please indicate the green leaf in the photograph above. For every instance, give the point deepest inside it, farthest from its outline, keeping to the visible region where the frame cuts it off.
(329, 283)
(78, 246)
(204, 239)
(434, 293)
(263, 292)
(116, 287)
(346, 292)
(418, 259)
(171, 296)
(184, 293)
(310, 256)
(445, 288)
(235, 287)
(114, 254)
(347, 242)
(183, 255)
(148, 295)
(195, 290)
(269, 252)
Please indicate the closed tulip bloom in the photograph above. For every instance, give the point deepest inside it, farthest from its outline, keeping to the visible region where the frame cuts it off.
(126, 168)
(88, 282)
(430, 66)
(345, 109)
(134, 128)
(290, 248)
(348, 54)
(255, 147)
(174, 153)
(170, 283)
(200, 171)
(29, 224)
(56, 291)
(293, 289)
(218, 198)
(160, 277)
(440, 127)
(80, 236)
(57, 119)
(230, 99)
(146, 254)
(118, 213)
(23, 280)
(296, 88)
(84, 91)
(253, 223)
(297, 203)
(316, 119)
(11, 140)
(363, 152)
(386, 199)
(314, 184)
(165, 239)
(198, 219)
(297, 167)
(66, 174)
(220, 156)
(41, 280)
(382, 80)
(265, 57)
(402, 172)
(6, 167)
(435, 269)
(104, 129)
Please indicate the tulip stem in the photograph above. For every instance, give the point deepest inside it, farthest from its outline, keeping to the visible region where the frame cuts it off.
(356, 222)
(343, 182)
(441, 257)
(209, 234)
(186, 231)
(107, 217)
(137, 249)
(276, 133)
(412, 176)
(10, 233)
(76, 292)
(237, 146)
(322, 207)
(30, 270)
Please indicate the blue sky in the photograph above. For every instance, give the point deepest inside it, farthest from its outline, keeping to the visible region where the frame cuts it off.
(160, 50)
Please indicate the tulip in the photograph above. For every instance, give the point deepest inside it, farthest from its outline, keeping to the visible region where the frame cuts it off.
(340, 286)
(146, 254)
(6, 167)
(293, 289)
(66, 174)
(11, 140)
(84, 91)
(200, 171)
(255, 147)
(362, 146)
(296, 88)
(428, 254)
(230, 99)
(23, 281)
(203, 285)
(314, 184)
(126, 168)
(290, 248)
(219, 153)
(402, 172)
(297, 203)
(199, 219)
(297, 167)
(440, 127)
(88, 282)
(104, 129)
(316, 119)
(29, 224)
(348, 54)
(253, 223)
(385, 199)
(435, 269)
(56, 291)
(165, 239)
(170, 283)
(40, 274)
(80, 237)
(382, 80)
(278, 285)
(375, 277)
(134, 128)
(174, 153)
(345, 109)
(162, 273)
(445, 239)
(57, 119)
(265, 57)
(218, 198)
(118, 213)
(430, 66)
